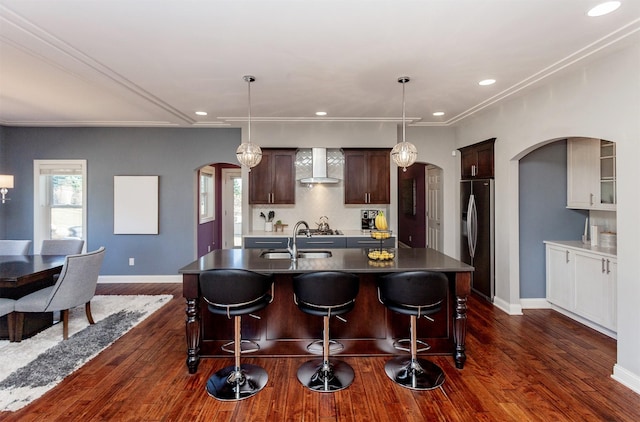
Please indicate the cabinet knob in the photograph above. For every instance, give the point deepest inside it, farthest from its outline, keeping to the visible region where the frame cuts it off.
(603, 265)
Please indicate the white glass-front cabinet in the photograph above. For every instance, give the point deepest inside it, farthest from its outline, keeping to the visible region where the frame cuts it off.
(582, 285)
(591, 174)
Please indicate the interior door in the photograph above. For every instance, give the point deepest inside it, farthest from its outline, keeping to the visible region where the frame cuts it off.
(231, 208)
(434, 208)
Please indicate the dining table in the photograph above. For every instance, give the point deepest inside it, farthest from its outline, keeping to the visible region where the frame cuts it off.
(21, 275)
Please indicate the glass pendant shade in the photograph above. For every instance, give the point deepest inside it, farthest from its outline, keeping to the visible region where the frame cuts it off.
(404, 153)
(248, 154)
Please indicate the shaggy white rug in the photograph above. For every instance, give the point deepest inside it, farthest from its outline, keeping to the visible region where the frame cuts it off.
(35, 365)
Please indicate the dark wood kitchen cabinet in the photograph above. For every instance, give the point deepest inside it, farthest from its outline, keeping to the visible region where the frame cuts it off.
(273, 181)
(366, 176)
(477, 160)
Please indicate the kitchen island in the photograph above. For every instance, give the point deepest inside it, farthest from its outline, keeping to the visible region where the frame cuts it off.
(283, 330)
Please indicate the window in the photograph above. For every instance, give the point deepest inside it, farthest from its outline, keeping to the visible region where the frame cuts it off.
(207, 194)
(59, 200)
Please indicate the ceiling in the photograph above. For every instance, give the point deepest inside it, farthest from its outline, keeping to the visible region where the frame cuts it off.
(155, 63)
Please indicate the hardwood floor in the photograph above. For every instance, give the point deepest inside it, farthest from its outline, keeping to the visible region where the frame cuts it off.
(539, 367)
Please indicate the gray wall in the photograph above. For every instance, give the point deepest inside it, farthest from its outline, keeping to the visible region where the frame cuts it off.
(171, 153)
(3, 170)
(543, 213)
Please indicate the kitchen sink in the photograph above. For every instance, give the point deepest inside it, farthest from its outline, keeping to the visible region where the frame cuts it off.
(301, 254)
(314, 254)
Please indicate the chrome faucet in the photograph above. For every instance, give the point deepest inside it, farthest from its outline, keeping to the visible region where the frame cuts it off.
(293, 249)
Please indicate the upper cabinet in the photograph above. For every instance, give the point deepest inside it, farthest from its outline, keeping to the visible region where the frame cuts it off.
(591, 174)
(273, 181)
(366, 176)
(477, 160)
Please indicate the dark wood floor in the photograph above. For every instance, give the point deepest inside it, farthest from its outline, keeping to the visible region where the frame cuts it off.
(538, 367)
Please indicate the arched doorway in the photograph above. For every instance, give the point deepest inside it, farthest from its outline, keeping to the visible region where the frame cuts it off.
(546, 212)
(219, 207)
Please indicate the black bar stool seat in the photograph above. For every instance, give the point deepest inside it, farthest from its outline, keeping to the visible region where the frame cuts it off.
(417, 294)
(235, 293)
(325, 294)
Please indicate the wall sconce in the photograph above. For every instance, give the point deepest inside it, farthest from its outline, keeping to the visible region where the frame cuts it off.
(6, 183)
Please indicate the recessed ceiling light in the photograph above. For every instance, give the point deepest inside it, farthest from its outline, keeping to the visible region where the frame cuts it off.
(201, 113)
(439, 113)
(603, 8)
(487, 82)
(321, 113)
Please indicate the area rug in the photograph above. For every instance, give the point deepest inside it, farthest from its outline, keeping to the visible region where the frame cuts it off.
(34, 366)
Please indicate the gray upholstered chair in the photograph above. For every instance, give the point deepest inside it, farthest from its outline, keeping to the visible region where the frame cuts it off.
(61, 246)
(6, 308)
(75, 286)
(14, 247)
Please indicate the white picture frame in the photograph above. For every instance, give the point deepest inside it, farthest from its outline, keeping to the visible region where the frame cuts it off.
(135, 204)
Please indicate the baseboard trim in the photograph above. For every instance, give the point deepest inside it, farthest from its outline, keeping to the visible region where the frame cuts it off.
(584, 321)
(511, 309)
(535, 303)
(626, 378)
(140, 279)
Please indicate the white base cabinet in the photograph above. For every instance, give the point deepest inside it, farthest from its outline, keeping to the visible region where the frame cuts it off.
(583, 283)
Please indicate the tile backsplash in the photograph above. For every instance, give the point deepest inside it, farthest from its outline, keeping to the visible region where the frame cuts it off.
(315, 201)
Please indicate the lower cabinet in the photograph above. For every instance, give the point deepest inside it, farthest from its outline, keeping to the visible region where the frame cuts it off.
(318, 242)
(265, 242)
(584, 284)
(367, 242)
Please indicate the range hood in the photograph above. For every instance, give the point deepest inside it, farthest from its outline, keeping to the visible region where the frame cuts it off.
(319, 168)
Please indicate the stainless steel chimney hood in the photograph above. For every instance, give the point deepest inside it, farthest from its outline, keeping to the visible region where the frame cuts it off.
(319, 168)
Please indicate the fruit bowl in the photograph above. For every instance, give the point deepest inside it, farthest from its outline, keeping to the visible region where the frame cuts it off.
(380, 234)
(381, 254)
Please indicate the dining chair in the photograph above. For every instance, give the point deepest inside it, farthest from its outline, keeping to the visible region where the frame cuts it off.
(14, 247)
(61, 246)
(6, 308)
(75, 286)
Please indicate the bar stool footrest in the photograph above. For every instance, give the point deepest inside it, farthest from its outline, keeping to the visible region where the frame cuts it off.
(246, 346)
(398, 345)
(316, 347)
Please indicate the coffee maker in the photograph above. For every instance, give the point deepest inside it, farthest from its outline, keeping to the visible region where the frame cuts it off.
(368, 219)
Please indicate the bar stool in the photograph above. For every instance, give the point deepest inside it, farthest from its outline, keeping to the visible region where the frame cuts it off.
(325, 294)
(235, 293)
(417, 294)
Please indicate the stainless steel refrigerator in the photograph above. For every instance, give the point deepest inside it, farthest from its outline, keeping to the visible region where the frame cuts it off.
(477, 234)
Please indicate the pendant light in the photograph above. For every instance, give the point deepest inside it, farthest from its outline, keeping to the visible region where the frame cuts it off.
(248, 154)
(404, 153)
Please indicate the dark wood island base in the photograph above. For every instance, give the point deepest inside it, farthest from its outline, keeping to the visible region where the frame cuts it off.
(370, 330)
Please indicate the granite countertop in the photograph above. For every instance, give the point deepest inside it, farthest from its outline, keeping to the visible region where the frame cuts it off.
(577, 244)
(350, 260)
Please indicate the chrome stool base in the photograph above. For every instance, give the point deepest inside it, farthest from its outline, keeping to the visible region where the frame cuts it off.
(326, 377)
(232, 383)
(416, 374)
